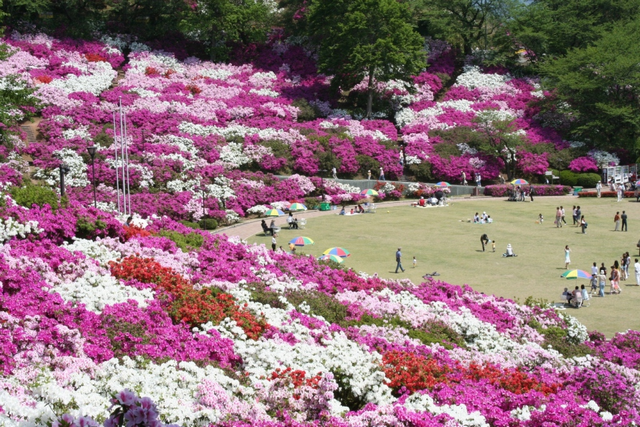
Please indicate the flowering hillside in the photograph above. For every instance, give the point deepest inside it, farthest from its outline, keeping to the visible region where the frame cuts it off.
(223, 333)
(156, 323)
(201, 130)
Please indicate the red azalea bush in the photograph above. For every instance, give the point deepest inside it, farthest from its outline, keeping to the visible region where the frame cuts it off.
(187, 304)
(412, 371)
(540, 190)
(295, 379)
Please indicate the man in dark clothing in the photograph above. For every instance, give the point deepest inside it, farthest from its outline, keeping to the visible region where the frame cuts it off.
(624, 220)
(399, 260)
(484, 240)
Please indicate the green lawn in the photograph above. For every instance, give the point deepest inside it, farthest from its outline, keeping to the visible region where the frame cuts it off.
(442, 240)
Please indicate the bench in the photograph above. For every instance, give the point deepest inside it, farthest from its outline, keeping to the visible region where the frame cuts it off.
(550, 174)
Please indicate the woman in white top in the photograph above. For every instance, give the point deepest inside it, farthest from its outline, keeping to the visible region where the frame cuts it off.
(567, 257)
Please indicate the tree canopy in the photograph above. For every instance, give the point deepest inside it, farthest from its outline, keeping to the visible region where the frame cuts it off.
(598, 88)
(365, 39)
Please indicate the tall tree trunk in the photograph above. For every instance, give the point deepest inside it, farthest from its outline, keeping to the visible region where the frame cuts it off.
(370, 92)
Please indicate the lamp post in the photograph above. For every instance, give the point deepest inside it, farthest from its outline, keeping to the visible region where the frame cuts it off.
(64, 169)
(92, 153)
(403, 146)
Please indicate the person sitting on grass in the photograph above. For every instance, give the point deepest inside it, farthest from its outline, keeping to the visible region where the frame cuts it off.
(342, 211)
(509, 252)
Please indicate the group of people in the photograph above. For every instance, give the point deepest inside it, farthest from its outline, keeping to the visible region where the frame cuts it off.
(269, 230)
(519, 194)
(432, 200)
(482, 219)
(476, 177)
(358, 209)
(578, 219)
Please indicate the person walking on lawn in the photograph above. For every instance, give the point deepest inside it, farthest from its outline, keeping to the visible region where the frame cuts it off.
(399, 260)
(623, 217)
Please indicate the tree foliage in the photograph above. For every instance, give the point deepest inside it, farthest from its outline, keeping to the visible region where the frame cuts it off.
(598, 87)
(365, 39)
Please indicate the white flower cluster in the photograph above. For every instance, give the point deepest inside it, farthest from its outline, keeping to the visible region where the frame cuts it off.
(424, 403)
(576, 332)
(232, 156)
(221, 189)
(604, 159)
(100, 80)
(77, 175)
(93, 249)
(472, 77)
(97, 289)
(257, 209)
(79, 132)
(11, 228)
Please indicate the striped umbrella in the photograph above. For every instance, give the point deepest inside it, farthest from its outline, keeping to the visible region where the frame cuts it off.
(520, 181)
(297, 207)
(576, 274)
(334, 258)
(341, 252)
(369, 192)
(274, 212)
(301, 241)
(443, 184)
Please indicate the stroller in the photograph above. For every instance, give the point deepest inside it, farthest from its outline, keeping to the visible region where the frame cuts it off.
(509, 252)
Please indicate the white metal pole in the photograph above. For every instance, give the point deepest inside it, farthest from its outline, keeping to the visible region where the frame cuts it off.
(123, 142)
(126, 138)
(115, 144)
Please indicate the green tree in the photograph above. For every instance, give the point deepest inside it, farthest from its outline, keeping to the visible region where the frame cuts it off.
(370, 39)
(497, 137)
(217, 22)
(598, 87)
(468, 25)
(554, 27)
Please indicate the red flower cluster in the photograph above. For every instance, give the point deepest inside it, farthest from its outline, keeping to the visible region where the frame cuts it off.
(95, 57)
(297, 378)
(416, 372)
(193, 89)
(412, 371)
(189, 305)
(513, 380)
(151, 71)
(44, 79)
(134, 231)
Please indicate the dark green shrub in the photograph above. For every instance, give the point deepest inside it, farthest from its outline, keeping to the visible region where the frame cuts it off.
(557, 338)
(588, 180)
(85, 228)
(34, 195)
(435, 332)
(208, 224)
(367, 163)
(185, 242)
(568, 178)
(321, 304)
(422, 171)
(312, 202)
(306, 111)
(190, 224)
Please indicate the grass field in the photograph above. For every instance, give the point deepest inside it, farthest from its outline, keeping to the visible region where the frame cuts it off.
(442, 240)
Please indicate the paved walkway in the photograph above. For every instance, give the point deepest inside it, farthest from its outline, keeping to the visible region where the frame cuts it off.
(251, 227)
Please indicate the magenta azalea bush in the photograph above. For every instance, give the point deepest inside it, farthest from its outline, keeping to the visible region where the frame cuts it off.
(583, 164)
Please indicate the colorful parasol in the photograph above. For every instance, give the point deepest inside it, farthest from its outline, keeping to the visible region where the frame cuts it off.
(341, 252)
(520, 181)
(576, 274)
(334, 258)
(301, 241)
(369, 192)
(274, 212)
(297, 207)
(443, 184)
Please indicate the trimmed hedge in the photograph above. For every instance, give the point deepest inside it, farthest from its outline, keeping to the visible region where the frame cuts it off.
(629, 194)
(540, 190)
